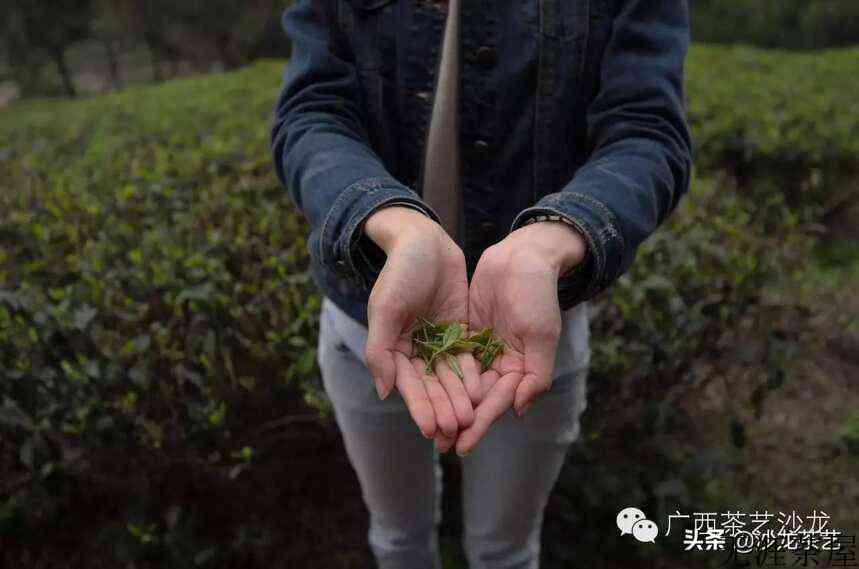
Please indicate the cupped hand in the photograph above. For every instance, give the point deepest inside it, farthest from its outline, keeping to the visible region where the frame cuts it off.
(424, 275)
(514, 291)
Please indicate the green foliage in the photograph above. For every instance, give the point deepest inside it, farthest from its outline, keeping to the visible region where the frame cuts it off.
(715, 302)
(154, 294)
(721, 285)
(850, 432)
(35, 33)
(749, 104)
(153, 277)
(32, 32)
(433, 340)
(778, 122)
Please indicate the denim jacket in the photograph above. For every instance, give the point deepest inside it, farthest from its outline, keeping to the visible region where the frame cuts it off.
(573, 108)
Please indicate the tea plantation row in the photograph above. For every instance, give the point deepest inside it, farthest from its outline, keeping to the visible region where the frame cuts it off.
(155, 309)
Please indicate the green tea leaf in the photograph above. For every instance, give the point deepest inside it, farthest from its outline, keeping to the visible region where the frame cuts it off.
(466, 345)
(431, 341)
(452, 334)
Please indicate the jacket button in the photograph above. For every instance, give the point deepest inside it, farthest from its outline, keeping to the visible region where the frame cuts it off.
(481, 147)
(487, 56)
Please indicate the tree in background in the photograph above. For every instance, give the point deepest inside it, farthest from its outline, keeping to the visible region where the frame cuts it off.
(38, 32)
(155, 22)
(231, 33)
(833, 22)
(113, 25)
(228, 31)
(23, 64)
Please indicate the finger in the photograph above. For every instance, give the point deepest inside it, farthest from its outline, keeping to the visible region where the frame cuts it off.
(503, 364)
(411, 387)
(439, 399)
(471, 377)
(443, 443)
(539, 365)
(384, 327)
(526, 393)
(497, 401)
(445, 416)
(456, 392)
(487, 380)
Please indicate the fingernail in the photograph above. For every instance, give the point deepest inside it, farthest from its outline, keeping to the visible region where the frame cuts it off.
(525, 409)
(425, 434)
(380, 387)
(461, 454)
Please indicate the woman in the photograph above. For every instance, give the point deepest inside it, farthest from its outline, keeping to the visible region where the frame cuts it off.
(495, 164)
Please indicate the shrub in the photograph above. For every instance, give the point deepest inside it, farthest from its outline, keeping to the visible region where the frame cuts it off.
(153, 289)
(779, 122)
(154, 297)
(794, 24)
(713, 315)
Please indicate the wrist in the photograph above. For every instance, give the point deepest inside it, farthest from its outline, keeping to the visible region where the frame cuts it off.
(391, 225)
(561, 244)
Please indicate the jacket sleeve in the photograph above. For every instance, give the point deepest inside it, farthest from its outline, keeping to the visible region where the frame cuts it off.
(322, 152)
(640, 150)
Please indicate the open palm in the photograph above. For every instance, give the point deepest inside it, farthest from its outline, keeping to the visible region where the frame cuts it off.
(423, 276)
(514, 291)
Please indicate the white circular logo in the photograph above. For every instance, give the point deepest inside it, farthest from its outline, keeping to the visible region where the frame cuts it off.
(645, 530)
(627, 518)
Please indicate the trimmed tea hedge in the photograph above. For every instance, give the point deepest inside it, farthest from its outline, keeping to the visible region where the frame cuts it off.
(753, 104)
(779, 121)
(151, 269)
(792, 24)
(154, 295)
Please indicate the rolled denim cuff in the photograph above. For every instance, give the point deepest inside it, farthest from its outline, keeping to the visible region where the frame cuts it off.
(341, 246)
(599, 228)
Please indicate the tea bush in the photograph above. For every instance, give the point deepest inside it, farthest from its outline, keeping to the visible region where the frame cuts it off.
(155, 307)
(152, 286)
(717, 300)
(779, 122)
(793, 24)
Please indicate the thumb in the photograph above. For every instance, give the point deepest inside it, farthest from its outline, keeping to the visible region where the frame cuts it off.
(383, 333)
(540, 352)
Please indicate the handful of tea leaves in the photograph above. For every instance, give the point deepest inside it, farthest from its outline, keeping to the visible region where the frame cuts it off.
(433, 341)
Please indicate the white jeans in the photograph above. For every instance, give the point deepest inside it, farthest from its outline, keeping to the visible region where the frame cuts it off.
(507, 478)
